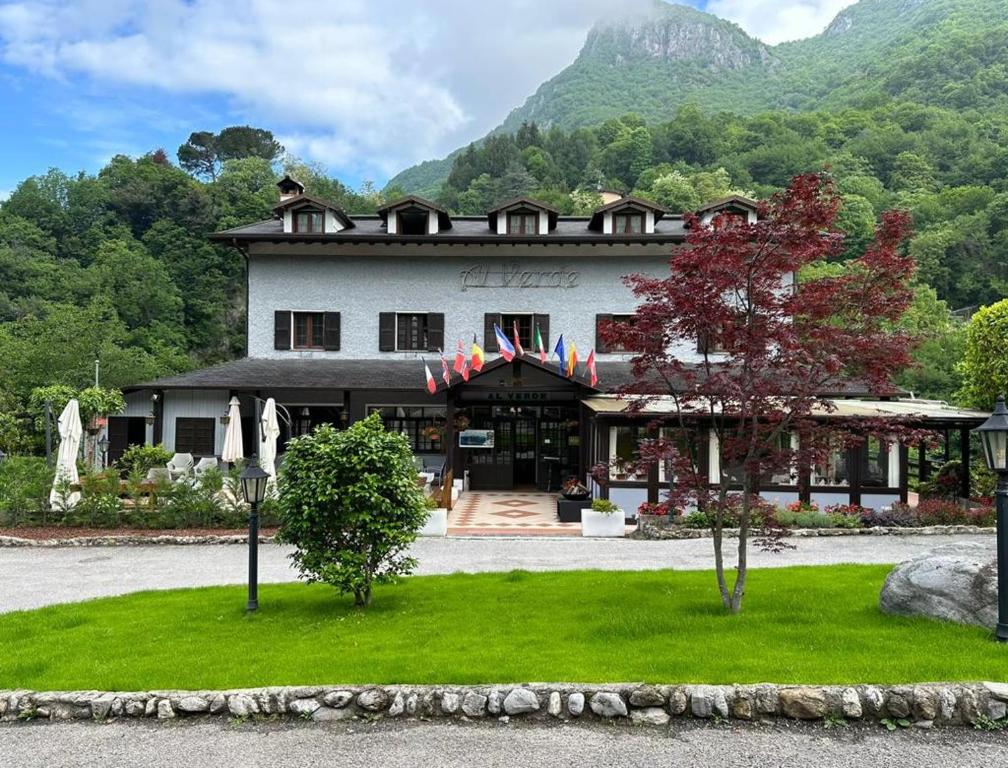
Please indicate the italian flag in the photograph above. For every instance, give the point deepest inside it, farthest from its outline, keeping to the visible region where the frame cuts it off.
(539, 345)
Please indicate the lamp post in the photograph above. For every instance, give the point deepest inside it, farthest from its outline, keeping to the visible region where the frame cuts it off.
(103, 446)
(994, 432)
(253, 484)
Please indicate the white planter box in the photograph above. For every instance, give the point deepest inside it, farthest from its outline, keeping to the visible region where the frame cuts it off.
(437, 523)
(602, 524)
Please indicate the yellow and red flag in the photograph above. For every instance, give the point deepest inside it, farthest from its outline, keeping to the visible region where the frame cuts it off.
(477, 356)
(572, 359)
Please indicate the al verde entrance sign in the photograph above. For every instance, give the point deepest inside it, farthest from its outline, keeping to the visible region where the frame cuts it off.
(514, 276)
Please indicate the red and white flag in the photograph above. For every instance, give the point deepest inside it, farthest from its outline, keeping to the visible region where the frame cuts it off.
(445, 372)
(465, 370)
(519, 351)
(592, 375)
(431, 384)
(460, 358)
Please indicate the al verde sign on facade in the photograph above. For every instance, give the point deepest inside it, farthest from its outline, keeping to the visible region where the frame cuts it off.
(515, 276)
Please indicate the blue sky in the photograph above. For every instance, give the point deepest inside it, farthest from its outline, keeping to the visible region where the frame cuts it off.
(366, 88)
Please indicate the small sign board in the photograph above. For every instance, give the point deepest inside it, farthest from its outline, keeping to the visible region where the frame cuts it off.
(476, 438)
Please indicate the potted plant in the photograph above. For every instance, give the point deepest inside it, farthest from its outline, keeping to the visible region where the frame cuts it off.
(574, 496)
(437, 520)
(602, 518)
(574, 490)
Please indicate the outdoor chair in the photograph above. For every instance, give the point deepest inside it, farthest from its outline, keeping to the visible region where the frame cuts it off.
(158, 475)
(207, 462)
(180, 466)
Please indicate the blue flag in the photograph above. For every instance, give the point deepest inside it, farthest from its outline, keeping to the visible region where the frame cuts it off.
(561, 351)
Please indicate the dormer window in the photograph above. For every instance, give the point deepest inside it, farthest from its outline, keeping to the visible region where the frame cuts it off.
(629, 223)
(411, 221)
(309, 221)
(522, 222)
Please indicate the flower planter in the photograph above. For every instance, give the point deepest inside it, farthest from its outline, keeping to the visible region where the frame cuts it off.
(608, 524)
(437, 523)
(569, 510)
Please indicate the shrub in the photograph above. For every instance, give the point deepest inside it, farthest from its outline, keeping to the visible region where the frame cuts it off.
(945, 512)
(946, 482)
(604, 506)
(142, 458)
(350, 505)
(661, 509)
(25, 482)
(899, 515)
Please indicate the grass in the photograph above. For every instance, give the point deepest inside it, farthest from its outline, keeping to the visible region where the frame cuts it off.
(808, 625)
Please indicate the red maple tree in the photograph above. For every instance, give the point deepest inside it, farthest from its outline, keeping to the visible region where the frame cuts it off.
(775, 336)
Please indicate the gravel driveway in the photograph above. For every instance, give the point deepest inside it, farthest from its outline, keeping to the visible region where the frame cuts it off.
(391, 745)
(33, 577)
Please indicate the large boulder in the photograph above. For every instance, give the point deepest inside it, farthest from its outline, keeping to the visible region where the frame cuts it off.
(954, 582)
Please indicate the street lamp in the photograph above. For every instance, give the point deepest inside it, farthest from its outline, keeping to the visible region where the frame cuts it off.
(994, 433)
(253, 483)
(103, 446)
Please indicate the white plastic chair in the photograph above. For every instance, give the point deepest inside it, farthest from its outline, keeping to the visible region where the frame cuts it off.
(180, 466)
(207, 462)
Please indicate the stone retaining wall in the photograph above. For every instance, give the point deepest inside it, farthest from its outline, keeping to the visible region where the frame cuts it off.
(924, 705)
(652, 527)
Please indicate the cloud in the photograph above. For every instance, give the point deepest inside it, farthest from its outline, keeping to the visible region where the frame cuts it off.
(368, 86)
(774, 21)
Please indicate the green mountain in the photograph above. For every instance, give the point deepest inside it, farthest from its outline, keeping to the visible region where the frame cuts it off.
(660, 56)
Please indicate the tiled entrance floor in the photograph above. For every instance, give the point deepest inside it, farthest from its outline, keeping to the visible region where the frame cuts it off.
(508, 513)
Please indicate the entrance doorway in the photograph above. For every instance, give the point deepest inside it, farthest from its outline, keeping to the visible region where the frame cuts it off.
(535, 447)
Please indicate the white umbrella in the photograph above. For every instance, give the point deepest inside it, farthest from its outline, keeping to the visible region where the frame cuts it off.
(70, 431)
(269, 431)
(233, 450)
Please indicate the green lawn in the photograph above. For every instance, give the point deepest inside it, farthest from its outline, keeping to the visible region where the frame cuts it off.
(810, 625)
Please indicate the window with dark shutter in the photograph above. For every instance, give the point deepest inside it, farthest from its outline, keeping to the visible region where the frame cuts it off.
(600, 344)
(282, 329)
(386, 331)
(195, 436)
(490, 319)
(600, 323)
(331, 331)
(435, 331)
(411, 331)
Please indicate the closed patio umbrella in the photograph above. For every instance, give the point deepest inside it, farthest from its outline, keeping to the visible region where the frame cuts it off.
(233, 451)
(269, 431)
(70, 432)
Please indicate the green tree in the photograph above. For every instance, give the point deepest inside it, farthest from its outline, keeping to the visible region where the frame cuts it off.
(984, 367)
(351, 507)
(204, 153)
(675, 192)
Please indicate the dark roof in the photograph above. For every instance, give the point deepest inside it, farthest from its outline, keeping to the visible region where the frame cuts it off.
(303, 199)
(251, 373)
(729, 200)
(444, 218)
(465, 229)
(625, 202)
(551, 212)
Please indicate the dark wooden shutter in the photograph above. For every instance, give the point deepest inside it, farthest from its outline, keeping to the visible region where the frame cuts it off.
(331, 331)
(118, 437)
(600, 320)
(195, 436)
(386, 331)
(490, 319)
(435, 331)
(542, 321)
(282, 329)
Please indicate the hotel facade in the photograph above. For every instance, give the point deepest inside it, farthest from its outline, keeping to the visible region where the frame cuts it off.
(344, 310)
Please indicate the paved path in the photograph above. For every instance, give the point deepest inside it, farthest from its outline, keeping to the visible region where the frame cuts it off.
(460, 746)
(31, 577)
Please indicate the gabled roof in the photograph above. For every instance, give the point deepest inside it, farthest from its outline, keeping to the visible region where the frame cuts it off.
(444, 218)
(526, 202)
(288, 182)
(740, 201)
(302, 200)
(628, 201)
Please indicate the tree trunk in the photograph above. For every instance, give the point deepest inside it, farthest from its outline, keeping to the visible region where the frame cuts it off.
(743, 540)
(718, 537)
(362, 596)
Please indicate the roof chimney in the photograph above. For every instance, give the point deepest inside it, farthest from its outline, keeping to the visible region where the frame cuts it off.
(289, 188)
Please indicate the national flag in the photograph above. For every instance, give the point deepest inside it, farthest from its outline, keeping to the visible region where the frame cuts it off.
(572, 359)
(477, 356)
(517, 341)
(561, 354)
(590, 363)
(431, 384)
(505, 347)
(445, 372)
(539, 345)
(460, 359)
(465, 370)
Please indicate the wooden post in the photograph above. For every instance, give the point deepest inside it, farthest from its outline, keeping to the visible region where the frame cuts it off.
(964, 456)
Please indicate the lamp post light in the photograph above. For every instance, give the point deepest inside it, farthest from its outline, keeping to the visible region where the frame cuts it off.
(994, 433)
(253, 483)
(103, 446)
